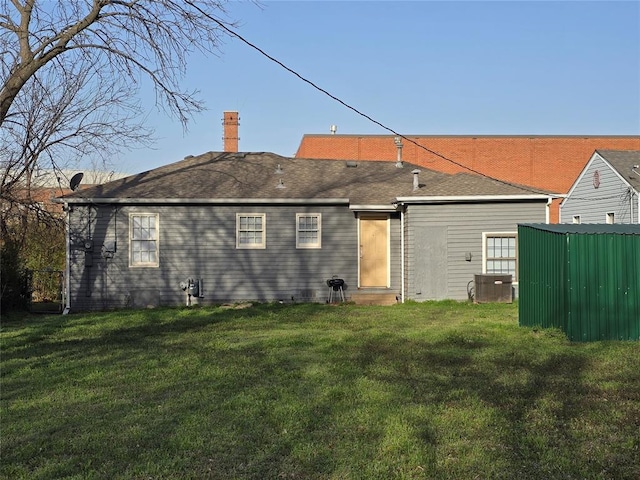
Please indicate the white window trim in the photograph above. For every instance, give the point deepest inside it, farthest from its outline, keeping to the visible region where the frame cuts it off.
(610, 218)
(157, 240)
(318, 244)
(260, 246)
(484, 250)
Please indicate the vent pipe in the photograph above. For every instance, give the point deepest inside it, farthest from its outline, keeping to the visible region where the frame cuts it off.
(416, 181)
(398, 142)
(333, 129)
(231, 122)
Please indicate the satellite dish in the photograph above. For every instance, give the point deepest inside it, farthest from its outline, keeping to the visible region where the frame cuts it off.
(75, 181)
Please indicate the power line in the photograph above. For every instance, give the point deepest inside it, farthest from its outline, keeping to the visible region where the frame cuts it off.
(333, 97)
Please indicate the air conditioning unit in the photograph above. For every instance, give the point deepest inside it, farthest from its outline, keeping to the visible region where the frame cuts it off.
(493, 288)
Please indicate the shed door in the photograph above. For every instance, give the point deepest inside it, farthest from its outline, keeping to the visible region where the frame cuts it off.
(374, 247)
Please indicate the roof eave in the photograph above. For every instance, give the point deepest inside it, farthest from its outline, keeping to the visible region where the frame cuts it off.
(373, 208)
(472, 198)
(201, 201)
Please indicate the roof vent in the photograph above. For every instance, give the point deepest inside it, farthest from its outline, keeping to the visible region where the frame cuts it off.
(279, 170)
(416, 181)
(351, 164)
(398, 142)
(333, 129)
(280, 184)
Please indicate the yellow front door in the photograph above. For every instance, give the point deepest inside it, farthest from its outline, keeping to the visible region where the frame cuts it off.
(374, 243)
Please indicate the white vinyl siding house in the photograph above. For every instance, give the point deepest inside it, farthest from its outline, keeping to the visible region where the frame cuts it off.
(606, 191)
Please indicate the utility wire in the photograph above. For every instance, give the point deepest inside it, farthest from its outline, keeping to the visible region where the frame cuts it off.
(333, 97)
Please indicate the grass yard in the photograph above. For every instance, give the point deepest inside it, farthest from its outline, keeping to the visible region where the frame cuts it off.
(440, 390)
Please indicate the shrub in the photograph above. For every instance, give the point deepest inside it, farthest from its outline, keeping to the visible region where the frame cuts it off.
(14, 279)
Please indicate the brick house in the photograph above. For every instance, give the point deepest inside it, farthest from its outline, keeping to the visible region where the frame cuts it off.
(549, 163)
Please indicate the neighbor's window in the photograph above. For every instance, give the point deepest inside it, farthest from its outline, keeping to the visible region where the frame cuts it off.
(250, 230)
(611, 217)
(576, 219)
(500, 254)
(143, 240)
(308, 230)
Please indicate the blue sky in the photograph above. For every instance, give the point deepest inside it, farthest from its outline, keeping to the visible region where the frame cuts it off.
(420, 67)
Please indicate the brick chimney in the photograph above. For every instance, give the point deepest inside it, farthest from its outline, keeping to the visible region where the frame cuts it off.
(231, 123)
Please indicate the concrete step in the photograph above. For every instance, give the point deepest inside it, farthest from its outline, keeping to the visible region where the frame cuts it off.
(373, 298)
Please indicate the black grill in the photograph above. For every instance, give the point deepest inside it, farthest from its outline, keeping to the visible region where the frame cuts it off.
(336, 289)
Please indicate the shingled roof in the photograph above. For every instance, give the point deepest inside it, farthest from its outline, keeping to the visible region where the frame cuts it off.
(624, 163)
(263, 176)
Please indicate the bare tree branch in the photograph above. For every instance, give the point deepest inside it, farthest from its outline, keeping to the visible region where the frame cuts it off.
(66, 113)
(69, 73)
(144, 37)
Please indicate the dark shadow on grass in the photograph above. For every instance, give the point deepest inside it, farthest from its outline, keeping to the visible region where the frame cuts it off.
(291, 406)
(36, 341)
(447, 372)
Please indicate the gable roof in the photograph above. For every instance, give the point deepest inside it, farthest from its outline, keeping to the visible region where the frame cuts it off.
(623, 162)
(219, 177)
(551, 163)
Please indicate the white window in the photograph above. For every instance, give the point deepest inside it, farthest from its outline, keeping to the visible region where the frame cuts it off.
(143, 240)
(250, 230)
(611, 217)
(500, 253)
(308, 230)
(576, 219)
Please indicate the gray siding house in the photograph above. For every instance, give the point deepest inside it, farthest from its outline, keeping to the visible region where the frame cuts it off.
(231, 227)
(606, 191)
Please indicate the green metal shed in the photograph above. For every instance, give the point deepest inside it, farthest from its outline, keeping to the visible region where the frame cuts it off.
(583, 279)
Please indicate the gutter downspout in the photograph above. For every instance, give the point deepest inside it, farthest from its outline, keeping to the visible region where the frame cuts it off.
(67, 272)
(548, 210)
(402, 286)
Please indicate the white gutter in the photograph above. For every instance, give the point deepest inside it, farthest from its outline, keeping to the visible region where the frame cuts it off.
(212, 201)
(471, 198)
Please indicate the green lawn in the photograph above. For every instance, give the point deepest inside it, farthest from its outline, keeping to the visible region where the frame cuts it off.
(438, 390)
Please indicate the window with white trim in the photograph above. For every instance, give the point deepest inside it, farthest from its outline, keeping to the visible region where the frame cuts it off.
(143, 239)
(308, 230)
(251, 230)
(500, 254)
